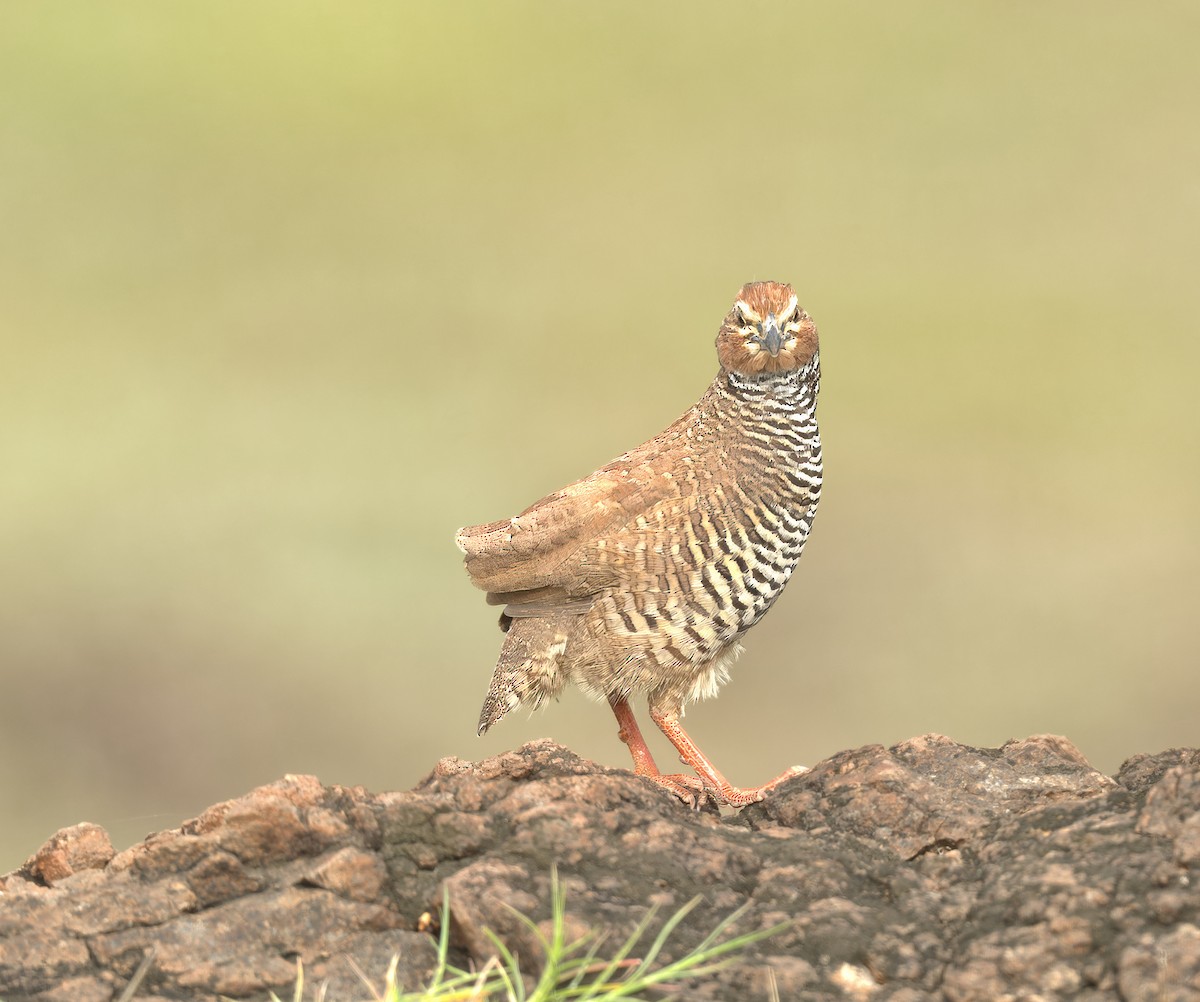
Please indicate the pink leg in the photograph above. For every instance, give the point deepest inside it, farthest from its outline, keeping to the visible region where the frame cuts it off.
(717, 785)
(631, 734)
(687, 788)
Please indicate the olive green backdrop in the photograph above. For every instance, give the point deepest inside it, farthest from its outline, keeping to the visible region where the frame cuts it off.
(290, 291)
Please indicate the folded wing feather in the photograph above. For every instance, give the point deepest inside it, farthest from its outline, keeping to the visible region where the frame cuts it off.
(540, 558)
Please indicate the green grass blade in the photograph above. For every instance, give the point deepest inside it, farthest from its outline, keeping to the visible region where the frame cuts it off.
(665, 932)
(571, 971)
(603, 979)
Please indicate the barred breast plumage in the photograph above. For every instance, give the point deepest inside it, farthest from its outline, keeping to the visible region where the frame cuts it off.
(644, 576)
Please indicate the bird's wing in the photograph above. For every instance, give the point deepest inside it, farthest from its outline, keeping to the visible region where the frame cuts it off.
(542, 551)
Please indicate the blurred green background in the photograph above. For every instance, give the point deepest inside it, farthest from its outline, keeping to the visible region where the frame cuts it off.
(290, 291)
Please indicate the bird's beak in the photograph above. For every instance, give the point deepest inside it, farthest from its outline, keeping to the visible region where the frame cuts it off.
(770, 338)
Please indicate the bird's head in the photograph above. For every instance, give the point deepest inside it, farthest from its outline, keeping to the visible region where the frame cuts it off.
(766, 331)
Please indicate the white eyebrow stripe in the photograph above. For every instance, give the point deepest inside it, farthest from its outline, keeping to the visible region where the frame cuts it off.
(747, 312)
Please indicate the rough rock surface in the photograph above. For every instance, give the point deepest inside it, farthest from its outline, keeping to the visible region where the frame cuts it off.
(926, 871)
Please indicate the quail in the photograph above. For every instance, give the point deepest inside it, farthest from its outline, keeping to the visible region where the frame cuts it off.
(642, 578)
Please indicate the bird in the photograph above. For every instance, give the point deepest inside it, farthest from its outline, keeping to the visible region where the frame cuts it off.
(642, 578)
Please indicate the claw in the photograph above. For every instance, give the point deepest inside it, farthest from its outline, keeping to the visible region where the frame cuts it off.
(694, 791)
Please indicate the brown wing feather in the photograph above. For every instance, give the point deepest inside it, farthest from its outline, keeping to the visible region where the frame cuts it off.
(545, 548)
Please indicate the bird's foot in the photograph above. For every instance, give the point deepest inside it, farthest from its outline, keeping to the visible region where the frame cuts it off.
(690, 789)
(736, 796)
(694, 791)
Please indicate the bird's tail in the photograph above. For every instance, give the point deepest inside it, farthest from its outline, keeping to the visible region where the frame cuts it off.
(529, 668)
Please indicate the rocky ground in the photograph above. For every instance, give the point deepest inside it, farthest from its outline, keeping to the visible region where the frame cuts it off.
(926, 871)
